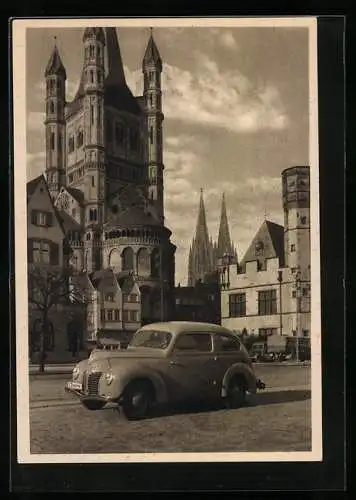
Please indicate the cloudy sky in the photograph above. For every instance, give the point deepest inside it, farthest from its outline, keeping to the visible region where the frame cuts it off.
(235, 102)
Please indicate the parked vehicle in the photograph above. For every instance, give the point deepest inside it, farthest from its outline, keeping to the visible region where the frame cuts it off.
(167, 363)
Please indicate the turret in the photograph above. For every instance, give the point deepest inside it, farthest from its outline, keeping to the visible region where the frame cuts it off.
(296, 205)
(152, 69)
(94, 180)
(55, 75)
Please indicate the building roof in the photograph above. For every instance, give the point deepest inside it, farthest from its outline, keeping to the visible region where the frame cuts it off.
(104, 280)
(270, 242)
(132, 217)
(68, 222)
(32, 185)
(77, 194)
(152, 55)
(55, 65)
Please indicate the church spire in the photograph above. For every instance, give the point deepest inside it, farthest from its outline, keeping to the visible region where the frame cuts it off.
(225, 244)
(115, 74)
(201, 261)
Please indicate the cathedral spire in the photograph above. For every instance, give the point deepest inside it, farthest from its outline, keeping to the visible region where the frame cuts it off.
(201, 261)
(224, 244)
(152, 55)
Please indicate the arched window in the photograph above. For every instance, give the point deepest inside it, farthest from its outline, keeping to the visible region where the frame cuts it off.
(80, 138)
(128, 259)
(75, 337)
(91, 76)
(155, 263)
(88, 236)
(51, 107)
(114, 258)
(143, 262)
(52, 141)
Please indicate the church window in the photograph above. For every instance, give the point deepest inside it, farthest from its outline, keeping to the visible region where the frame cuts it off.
(109, 316)
(93, 181)
(119, 134)
(303, 219)
(71, 144)
(152, 76)
(117, 315)
(88, 237)
(93, 214)
(92, 114)
(51, 107)
(151, 100)
(127, 259)
(155, 263)
(267, 302)
(292, 248)
(80, 138)
(143, 262)
(91, 76)
(92, 51)
(151, 135)
(52, 141)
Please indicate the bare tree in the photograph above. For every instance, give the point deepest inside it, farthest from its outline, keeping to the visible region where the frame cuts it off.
(49, 287)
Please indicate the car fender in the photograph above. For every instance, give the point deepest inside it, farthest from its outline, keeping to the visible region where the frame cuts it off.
(122, 379)
(239, 369)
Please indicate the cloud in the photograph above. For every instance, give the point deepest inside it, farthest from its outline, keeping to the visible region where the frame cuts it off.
(35, 121)
(224, 99)
(228, 40)
(35, 164)
(40, 90)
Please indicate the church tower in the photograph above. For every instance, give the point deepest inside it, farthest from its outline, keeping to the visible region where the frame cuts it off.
(201, 254)
(94, 147)
(152, 69)
(55, 75)
(296, 205)
(224, 244)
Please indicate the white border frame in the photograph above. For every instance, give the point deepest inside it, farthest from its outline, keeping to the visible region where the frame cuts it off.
(19, 27)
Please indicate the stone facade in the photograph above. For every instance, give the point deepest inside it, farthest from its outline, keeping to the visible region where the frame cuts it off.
(269, 292)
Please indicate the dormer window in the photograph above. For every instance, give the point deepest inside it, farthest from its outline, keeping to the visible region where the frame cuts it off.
(259, 247)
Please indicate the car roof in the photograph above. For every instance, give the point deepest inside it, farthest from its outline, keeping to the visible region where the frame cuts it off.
(176, 327)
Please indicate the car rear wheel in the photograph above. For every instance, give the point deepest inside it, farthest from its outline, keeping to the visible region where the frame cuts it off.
(93, 405)
(236, 393)
(137, 400)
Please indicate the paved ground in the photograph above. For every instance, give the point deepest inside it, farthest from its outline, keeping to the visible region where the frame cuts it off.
(278, 420)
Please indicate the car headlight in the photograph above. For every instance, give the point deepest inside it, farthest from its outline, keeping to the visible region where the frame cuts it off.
(75, 372)
(109, 377)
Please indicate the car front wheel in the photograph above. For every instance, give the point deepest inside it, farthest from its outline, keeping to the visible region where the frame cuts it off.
(236, 393)
(137, 400)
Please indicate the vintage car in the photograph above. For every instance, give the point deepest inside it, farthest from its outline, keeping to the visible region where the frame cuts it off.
(167, 363)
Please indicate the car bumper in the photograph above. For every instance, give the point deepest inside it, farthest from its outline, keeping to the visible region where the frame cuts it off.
(75, 388)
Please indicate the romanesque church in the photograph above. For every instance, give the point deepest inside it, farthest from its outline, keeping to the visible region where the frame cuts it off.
(104, 171)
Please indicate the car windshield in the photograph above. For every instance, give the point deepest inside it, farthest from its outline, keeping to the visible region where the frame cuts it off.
(151, 338)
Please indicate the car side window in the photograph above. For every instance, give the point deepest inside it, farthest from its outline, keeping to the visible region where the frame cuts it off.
(226, 343)
(193, 342)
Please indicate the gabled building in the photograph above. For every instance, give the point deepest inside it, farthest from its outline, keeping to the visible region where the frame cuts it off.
(269, 292)
(47, 248)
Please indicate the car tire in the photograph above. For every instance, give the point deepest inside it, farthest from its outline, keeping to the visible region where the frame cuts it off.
(137, 400)
(236, 393)
(93, 405)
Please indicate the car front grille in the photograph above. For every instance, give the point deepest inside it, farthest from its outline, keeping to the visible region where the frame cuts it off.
(93, 383)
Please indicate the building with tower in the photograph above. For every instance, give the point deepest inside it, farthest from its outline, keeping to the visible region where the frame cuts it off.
(204, 254)
(269, 292)
(104, 169)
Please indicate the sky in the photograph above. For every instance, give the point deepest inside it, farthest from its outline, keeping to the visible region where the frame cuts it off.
(235, 102)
